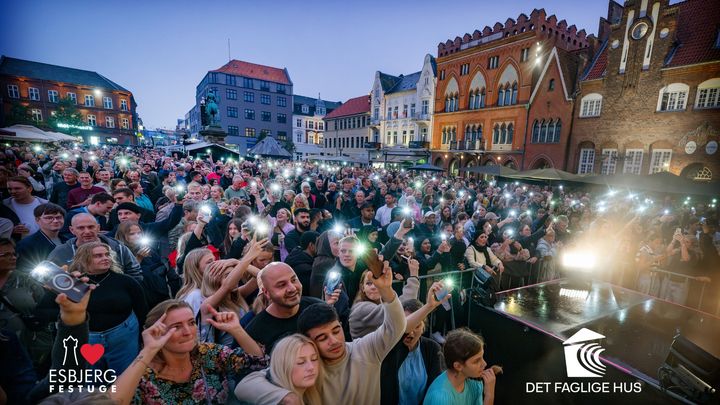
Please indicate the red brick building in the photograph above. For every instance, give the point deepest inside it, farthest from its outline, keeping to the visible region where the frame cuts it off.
(497, 85)
(107, 108)
(649, 99)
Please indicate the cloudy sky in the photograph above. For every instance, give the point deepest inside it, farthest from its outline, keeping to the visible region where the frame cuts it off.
(161, 50)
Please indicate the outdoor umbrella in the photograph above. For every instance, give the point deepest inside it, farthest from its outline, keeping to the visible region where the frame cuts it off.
(269, 147)
(427, 167)
(27, 133)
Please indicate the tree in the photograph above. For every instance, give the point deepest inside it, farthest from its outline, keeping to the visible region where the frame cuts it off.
(19, 114)
(289, 146)
(66, 113)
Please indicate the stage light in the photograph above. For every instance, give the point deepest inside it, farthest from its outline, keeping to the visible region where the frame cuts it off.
(574, 293)
(580, 260)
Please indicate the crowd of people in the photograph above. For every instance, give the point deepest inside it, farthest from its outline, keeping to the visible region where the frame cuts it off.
(285, 282)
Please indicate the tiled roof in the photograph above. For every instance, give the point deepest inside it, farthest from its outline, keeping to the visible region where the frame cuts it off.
(569, 62)
(696, 33)
(387, 81)
(43, 71)
(598, 66)
(405, 83)
(255, 71)
(357, 105)
(298, 101)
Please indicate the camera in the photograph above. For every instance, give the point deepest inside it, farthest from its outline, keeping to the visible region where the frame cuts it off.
(57, 280)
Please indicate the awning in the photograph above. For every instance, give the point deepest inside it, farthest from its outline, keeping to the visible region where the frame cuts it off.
(427, 167)
(269, 147)
(27, 133)
(495, 170)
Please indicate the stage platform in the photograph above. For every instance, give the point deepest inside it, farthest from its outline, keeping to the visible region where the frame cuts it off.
(526, 329)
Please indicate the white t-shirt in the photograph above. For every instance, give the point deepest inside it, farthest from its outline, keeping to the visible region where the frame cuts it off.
(195, 299)
(25, 213)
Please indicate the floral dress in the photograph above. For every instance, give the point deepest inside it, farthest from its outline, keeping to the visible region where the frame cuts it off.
(216, 370)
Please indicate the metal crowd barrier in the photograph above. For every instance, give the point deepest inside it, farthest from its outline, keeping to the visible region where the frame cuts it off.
(660, 280)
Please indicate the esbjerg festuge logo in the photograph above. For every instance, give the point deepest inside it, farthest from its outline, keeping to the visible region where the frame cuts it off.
(582, 354)
(582, 360)
(72, 378)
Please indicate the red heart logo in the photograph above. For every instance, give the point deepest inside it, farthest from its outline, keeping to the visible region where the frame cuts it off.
(92, 353)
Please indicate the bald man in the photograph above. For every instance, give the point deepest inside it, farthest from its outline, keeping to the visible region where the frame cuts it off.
(86, 229)
(282, 290)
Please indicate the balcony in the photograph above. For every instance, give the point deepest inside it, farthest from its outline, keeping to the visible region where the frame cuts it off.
(373, 145)
(375, 121)
(421, 117)
(468, 145)
(418, 145)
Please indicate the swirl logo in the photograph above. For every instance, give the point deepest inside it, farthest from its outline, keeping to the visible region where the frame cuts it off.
(582, 354)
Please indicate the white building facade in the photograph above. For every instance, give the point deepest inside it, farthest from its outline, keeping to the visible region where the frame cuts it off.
(401, 111)
(308, 125)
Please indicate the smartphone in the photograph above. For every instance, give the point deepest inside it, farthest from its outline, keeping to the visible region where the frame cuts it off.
(59, 281)
(442, 294)
(373, 263)
(332, 281)
(407, 222)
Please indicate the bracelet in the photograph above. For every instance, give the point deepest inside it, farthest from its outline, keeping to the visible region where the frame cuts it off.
(139, 360)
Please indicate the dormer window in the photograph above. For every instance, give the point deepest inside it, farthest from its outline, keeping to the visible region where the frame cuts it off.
(305, 109)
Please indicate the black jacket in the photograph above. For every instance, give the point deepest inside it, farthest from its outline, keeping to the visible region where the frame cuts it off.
(389, 384)
(34, 249)
(302, 263)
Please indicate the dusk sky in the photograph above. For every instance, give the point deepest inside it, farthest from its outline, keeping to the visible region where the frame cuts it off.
(160, 50)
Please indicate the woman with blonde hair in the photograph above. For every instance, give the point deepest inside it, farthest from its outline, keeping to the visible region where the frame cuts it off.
(300, 201)
(195, 265)
(174, 368)
(296, 366)
(117, 306)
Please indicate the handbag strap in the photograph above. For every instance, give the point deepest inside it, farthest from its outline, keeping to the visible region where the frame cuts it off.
(10, 306)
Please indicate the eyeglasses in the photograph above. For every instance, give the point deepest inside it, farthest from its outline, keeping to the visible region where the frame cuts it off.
(51, 219)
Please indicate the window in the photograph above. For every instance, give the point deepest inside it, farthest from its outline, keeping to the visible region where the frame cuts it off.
(265, 116)
(53, 96)
(125, 123)
(405, 111)
(536, 132)
(298, 137)
(464, 69)
(282, 102)
(249, 114)
(265, 132)
(451, 102)
(321, 125)
(426, 107)
(123, 104)
(110, 122)
(249, 97)
(412, 109)
(233, 130)
(72, 97)
(282, 135)
(232, 112)
(493, 62)
(230, 80)
(591, 105)
(250, 132)
(280, 88)
(708, 95)
(91, 120)
(587, 159)
(13, 91)
(264, 86)
(89, 100)
(404, 137)
(389, 114)
(231, 94)
(673, 97)
(33, 94)
(248, 83)
(442, 74)
(265, 99)
(524, 54)
(395, 112)
(609, 161)
(298, 122)
(107, 103)
(660, 160)
(281, 118)
(633, 161)
(376, 113)
(305, 109)
(36, 114)
(213, 77)
(551, 85)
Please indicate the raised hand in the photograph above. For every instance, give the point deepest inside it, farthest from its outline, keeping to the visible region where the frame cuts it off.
(155, 337)
(413, 267)
(74, 313)
(432, 293)
(224, 321)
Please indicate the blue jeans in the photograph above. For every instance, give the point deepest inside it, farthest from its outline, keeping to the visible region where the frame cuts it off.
(121, 345)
